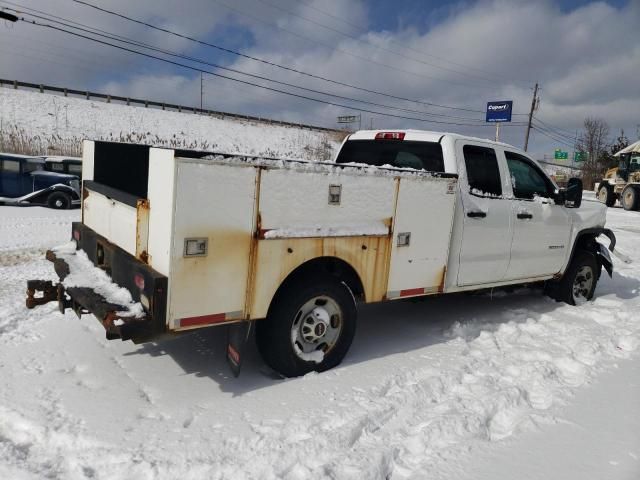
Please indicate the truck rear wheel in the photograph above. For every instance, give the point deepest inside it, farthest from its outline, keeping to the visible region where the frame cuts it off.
(309, 327)
(606, 195)
(59, 200)
(579, 281)
(630, 198)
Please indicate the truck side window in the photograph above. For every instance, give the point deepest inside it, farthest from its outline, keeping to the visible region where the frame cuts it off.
(483, 174)
(526, 180)
(11, 166)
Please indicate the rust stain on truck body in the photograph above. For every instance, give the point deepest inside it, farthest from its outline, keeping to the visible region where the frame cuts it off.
(276, 259)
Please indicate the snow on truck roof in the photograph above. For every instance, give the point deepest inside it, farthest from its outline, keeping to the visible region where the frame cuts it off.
(421, 136)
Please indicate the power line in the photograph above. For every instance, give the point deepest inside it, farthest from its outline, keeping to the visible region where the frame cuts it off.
(270, 63)
(363, 30)
(129, 41)
(352, 37)
(571, 138)
(343, 51)
(546, 134)
(546, 124)
(189, 67)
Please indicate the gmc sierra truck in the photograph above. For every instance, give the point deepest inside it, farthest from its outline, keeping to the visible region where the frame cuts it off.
(198, 239)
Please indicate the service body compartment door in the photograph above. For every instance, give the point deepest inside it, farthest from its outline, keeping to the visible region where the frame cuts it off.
(114, 220)
(213, 226)
(422, 235)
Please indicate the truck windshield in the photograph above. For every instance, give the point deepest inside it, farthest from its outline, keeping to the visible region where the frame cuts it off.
(396, 153)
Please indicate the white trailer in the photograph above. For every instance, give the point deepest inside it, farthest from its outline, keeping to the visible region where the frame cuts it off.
(201, 239)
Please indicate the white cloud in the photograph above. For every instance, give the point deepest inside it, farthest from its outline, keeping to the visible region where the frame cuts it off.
(586, 60)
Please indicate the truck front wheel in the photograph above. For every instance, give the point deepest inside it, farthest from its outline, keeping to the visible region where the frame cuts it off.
(59, 200)
(309, 327)
(579, 281)
(606, 195)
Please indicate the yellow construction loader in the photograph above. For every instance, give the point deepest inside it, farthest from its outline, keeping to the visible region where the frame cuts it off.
(623, 182)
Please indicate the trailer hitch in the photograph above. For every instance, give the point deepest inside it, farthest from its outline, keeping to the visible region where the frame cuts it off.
(50, 293)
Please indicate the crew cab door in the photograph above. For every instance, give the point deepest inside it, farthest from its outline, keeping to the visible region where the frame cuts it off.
(487, 220)
(541, 229)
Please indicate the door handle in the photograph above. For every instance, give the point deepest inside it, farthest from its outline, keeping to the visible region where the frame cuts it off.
(524, 215)
(476, 214)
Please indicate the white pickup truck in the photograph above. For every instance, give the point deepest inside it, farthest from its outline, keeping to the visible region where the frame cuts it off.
(201, 239)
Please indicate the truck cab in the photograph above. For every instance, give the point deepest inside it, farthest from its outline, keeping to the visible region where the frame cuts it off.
(24, 181)
(511, 222)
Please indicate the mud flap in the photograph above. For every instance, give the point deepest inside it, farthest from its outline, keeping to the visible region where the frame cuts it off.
(237, 336)
(604, 258)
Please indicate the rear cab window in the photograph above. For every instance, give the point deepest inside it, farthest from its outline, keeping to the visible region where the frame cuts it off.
(483, 174)
(419, 155)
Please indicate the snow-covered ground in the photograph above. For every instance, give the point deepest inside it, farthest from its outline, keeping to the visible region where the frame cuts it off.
(463, 386)
(43, 117)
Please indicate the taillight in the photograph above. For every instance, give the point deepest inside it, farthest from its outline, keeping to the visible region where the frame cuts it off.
(76, 235)
(390, 136)
(139, 279)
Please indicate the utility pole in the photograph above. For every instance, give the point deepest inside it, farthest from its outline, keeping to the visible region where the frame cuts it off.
(201, 90)
(534, 103)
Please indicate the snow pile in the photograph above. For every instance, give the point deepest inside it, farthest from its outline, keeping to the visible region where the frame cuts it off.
(313, 166)
(83, 273)
(374, 228)
(34, 115)
(426, 386)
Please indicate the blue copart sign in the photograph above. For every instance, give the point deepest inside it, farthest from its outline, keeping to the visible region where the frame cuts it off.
(499, 111)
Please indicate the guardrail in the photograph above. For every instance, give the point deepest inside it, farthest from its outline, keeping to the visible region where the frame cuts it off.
(88, 95)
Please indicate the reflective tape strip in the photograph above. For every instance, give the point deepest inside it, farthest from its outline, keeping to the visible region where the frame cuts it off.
(210, 319)
(411, 292)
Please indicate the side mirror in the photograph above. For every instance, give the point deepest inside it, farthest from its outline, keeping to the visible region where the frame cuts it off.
(573, 193)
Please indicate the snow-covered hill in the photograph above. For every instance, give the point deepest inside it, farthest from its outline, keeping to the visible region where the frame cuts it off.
(463, 386)
(43, 120)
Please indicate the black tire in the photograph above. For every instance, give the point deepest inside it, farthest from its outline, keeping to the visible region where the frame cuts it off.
(274, 335)
(579, 281)
(606, 195)
(630, 198)
(59, 201)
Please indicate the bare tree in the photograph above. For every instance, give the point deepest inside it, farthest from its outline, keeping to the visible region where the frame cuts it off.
(594, 141)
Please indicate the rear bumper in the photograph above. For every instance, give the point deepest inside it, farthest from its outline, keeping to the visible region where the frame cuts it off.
(144, 284)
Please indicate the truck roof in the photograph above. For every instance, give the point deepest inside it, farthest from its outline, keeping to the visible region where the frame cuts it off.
(421, 136)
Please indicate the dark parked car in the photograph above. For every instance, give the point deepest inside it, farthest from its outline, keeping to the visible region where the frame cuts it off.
(24, 181)
(61, 164)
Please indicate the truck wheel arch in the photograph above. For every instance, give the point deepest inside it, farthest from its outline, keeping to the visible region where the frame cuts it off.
(586, 240)
(334, 266)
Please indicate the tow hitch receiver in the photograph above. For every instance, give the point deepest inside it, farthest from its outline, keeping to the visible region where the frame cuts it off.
(48, 289)
(84, 300)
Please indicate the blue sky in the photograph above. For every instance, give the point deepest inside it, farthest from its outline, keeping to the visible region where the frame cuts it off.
(584, 54)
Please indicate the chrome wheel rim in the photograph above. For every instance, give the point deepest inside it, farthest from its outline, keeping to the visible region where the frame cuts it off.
(58, 203)
(316, 328)
(627, 198)
(582, 284)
